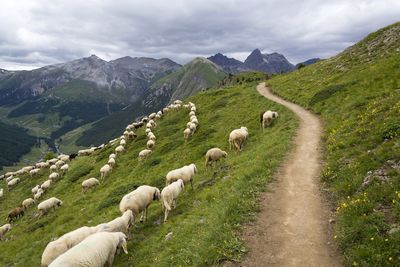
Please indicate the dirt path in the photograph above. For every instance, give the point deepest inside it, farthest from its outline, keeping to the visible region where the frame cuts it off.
(292, 227)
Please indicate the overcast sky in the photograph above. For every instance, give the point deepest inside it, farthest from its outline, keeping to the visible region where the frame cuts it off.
(34, 33)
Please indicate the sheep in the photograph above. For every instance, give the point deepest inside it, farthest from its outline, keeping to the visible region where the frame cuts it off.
(9, 178)
(147, 131)
(151, 136)
(52, 161)
(104, 171)
(27, 203)
(15, 213)
(119, 149)
(89, 183)
(1, 192)
(98, 250)
(237, 138)
(112, 156)
(192, 113)
(139, 200)
(4, 229)
(192, 127)
(214, 154)
(42, 165)
(59, 246)
(122, 142)
(150, 144)
(38, 194)
(53, 168)
(111, 162)
(165, 110)
(267, 117)
(64, 168)
(85, 152)
(186, 173)
(13, 182)
(195, 121)
(2, 177)
(178, 102)
(35, 189)
(157, 117)
(169, 195)
(149, 125)
(145, 120)
(131, 135)
(48, 204)
(152, 116)
(186, 134)
(144, 154)
(46, 185)
(193, 109)
(59, 163)
(54, 176)
(64, 157)
(8, 174)
(120, 224)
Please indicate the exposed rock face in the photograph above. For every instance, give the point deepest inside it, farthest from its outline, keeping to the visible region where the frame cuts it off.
(229, 65)
(270, 63)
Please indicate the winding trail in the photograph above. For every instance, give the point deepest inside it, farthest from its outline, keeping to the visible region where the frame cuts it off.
(292, 226)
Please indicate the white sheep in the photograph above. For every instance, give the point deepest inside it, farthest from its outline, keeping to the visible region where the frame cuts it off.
(119, 149)
(45, 206)
(139, 200)
(169, 195)
(59, 163)
(157, 117)
(195, 121)
(35, 189)
(131, 135)
(58, 247)
(186, 134)
(13, 182)
(192, 127)
(151, 136)
(267, 117)
(38, 194)
(4, 229)
(147, 131)
(149, 125)
(112, 156)
(104, 171)
(53, 168)
(186, 173)
(64, 168)
(9, 174)
(27, 203)
(120, 224)
(34, 172)
(9, 178)
(1, 192)
(192, 113)
(85, 152)
(214, 154)
(54, 176)
(96, 250)
(165, 110)
(45, 185)
(193, 109)
(122, 142)
(237, 138)
(152, 116)
(144, 154)
(150, 144)
(63, 157)
(111, 162)
(52, 161)
(89, 183)
(178, 102)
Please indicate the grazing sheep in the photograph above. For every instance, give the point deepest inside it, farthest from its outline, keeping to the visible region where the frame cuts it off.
(152, 116)
(59, 163)
(85, 152)
(144, 154)
(150, 144)
(112, 156)
(45, 206)
(64, 157)
(214, 154)
(145, 120)
(4, 229)
(34, 172)
(192, 127)
(237, 138)
(35, 189)
(122, 142)
(54, 176)
(186, 173)
(111, 162)
(8, 174)
(46, 185)
(57, 247)
(42, 165)
(147, 131)
(120, 224)
(139, 200)
(195, 121)
(2, 177)
(38, 194)
(157, 117)
(186, 134)
(165, 110)
(52, 161)
(27, 203)
(99, 250)
(13, 182)
(151, 136)
(89, 183)
(104, 171)
(15, 213)
(64, 168)
(1, 192)
(131, 135)
(53, 168)
(169, 195)
(119, 149)
(193, 109)
(266, 118)
(192, 113)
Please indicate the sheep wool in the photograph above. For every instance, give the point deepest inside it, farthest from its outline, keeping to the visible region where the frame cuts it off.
(89, 183)
(169, 195)
(104, 171)
(4, 229)
(51, 203)
(27, 203)
(186, 173)
(214, 154)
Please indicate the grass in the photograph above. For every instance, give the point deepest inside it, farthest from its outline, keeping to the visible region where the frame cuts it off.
(207, 220)
(357, 94)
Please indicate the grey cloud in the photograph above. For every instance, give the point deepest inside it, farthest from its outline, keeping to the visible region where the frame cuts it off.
(34, 33)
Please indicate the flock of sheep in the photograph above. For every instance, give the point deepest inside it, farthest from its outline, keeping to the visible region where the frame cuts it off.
(101, 243)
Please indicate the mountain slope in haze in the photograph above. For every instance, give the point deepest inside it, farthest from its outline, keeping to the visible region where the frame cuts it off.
(206, 219)
(197, 75)
(229, 65)
(273, 63)
(307, 62)
(357, 94)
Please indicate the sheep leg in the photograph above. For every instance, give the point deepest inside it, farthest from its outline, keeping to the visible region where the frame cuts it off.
(142, 217)
(165, 215)
(174, 203)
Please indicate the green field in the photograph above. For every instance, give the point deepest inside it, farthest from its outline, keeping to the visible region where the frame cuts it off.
(208, 219)
(357, 94)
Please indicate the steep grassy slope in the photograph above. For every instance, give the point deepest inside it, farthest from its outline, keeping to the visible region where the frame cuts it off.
(206, 220)
(357, 93)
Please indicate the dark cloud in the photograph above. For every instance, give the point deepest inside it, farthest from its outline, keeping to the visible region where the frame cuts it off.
(34, 33)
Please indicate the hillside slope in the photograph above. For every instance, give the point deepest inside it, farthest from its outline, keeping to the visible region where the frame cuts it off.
(206, 219)
(357, 94)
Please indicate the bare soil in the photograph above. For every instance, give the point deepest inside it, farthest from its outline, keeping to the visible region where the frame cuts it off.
(293, 224)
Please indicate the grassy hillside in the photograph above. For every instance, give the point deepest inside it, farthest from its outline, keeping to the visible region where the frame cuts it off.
(357, 94)
(207, 219)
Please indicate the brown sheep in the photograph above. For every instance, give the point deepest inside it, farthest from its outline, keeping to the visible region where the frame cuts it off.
(15, 213)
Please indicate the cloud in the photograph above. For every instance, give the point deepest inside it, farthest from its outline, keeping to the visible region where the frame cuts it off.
(34, 33)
